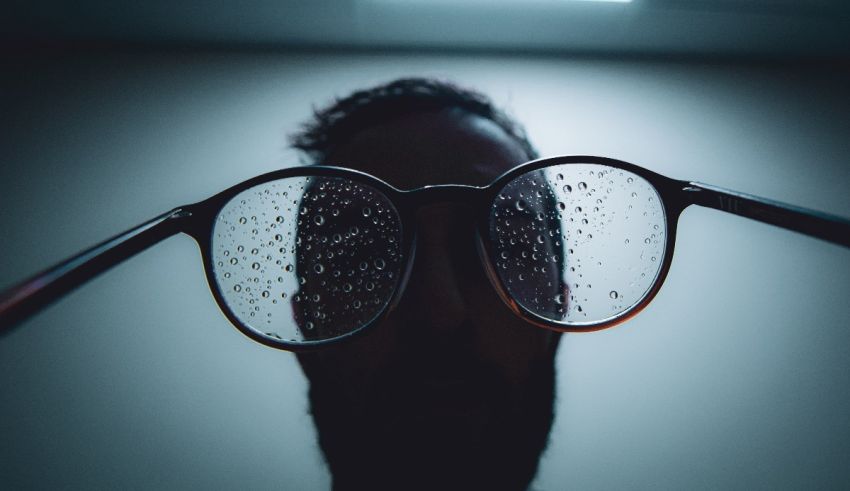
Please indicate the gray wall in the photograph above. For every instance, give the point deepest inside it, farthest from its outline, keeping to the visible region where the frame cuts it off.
(735, 377)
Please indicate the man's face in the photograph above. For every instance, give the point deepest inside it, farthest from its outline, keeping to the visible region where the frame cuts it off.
(452, 388)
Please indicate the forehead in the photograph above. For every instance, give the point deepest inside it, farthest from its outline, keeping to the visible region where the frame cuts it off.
(448, 146)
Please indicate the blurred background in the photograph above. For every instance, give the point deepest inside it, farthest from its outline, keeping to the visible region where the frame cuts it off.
(736, 377)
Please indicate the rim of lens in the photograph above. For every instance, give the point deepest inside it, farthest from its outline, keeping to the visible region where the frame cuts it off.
(282, 287)
(598, 232)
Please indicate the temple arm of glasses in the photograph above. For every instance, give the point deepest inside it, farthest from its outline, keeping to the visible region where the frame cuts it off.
(25, 299)
(824, 226)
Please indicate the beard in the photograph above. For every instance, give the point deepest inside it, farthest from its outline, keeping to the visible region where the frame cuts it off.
(445, 423)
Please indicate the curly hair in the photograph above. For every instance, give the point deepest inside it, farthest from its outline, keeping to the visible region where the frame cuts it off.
(338, 122)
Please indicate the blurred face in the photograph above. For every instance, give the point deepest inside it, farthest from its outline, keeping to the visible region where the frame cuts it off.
(451, 389)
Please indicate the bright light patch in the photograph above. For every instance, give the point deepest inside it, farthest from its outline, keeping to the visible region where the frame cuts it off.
(499, 2)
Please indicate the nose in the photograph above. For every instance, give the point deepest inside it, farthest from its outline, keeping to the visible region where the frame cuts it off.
(446, 265)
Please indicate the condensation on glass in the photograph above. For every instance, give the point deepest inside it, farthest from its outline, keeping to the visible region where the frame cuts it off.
(578, 243)
(307, 258)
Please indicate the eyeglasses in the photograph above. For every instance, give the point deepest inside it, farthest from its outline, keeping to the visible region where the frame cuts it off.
(304, 257)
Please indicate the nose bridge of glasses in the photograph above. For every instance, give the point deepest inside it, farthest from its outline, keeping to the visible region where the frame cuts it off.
(443, 212)
(443, 194)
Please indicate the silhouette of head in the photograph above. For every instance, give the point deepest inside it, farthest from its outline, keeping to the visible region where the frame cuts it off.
(452, 390)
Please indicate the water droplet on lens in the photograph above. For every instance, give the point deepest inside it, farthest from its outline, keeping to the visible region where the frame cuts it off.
(243, 220)
(582, 186)
(266, 294)
(367, 211)
(613, 294)
(279, 219)
(319, 219)
(630, 180)
(288, 268)
(562, 206)
(237, 288)
(363, 266)
(568, 188)
(380, 263)
(505, 254)
(318, 268)
(233, 260)
(240, 249)
(559, 299)
(520, 204)
(584, 221)
(346, 287)
(578, 209)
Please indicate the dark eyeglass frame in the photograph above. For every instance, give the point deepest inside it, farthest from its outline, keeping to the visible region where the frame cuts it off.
(197, 220)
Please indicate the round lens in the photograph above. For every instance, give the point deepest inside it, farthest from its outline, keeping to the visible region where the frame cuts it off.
(578, 244)
(307, 259)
